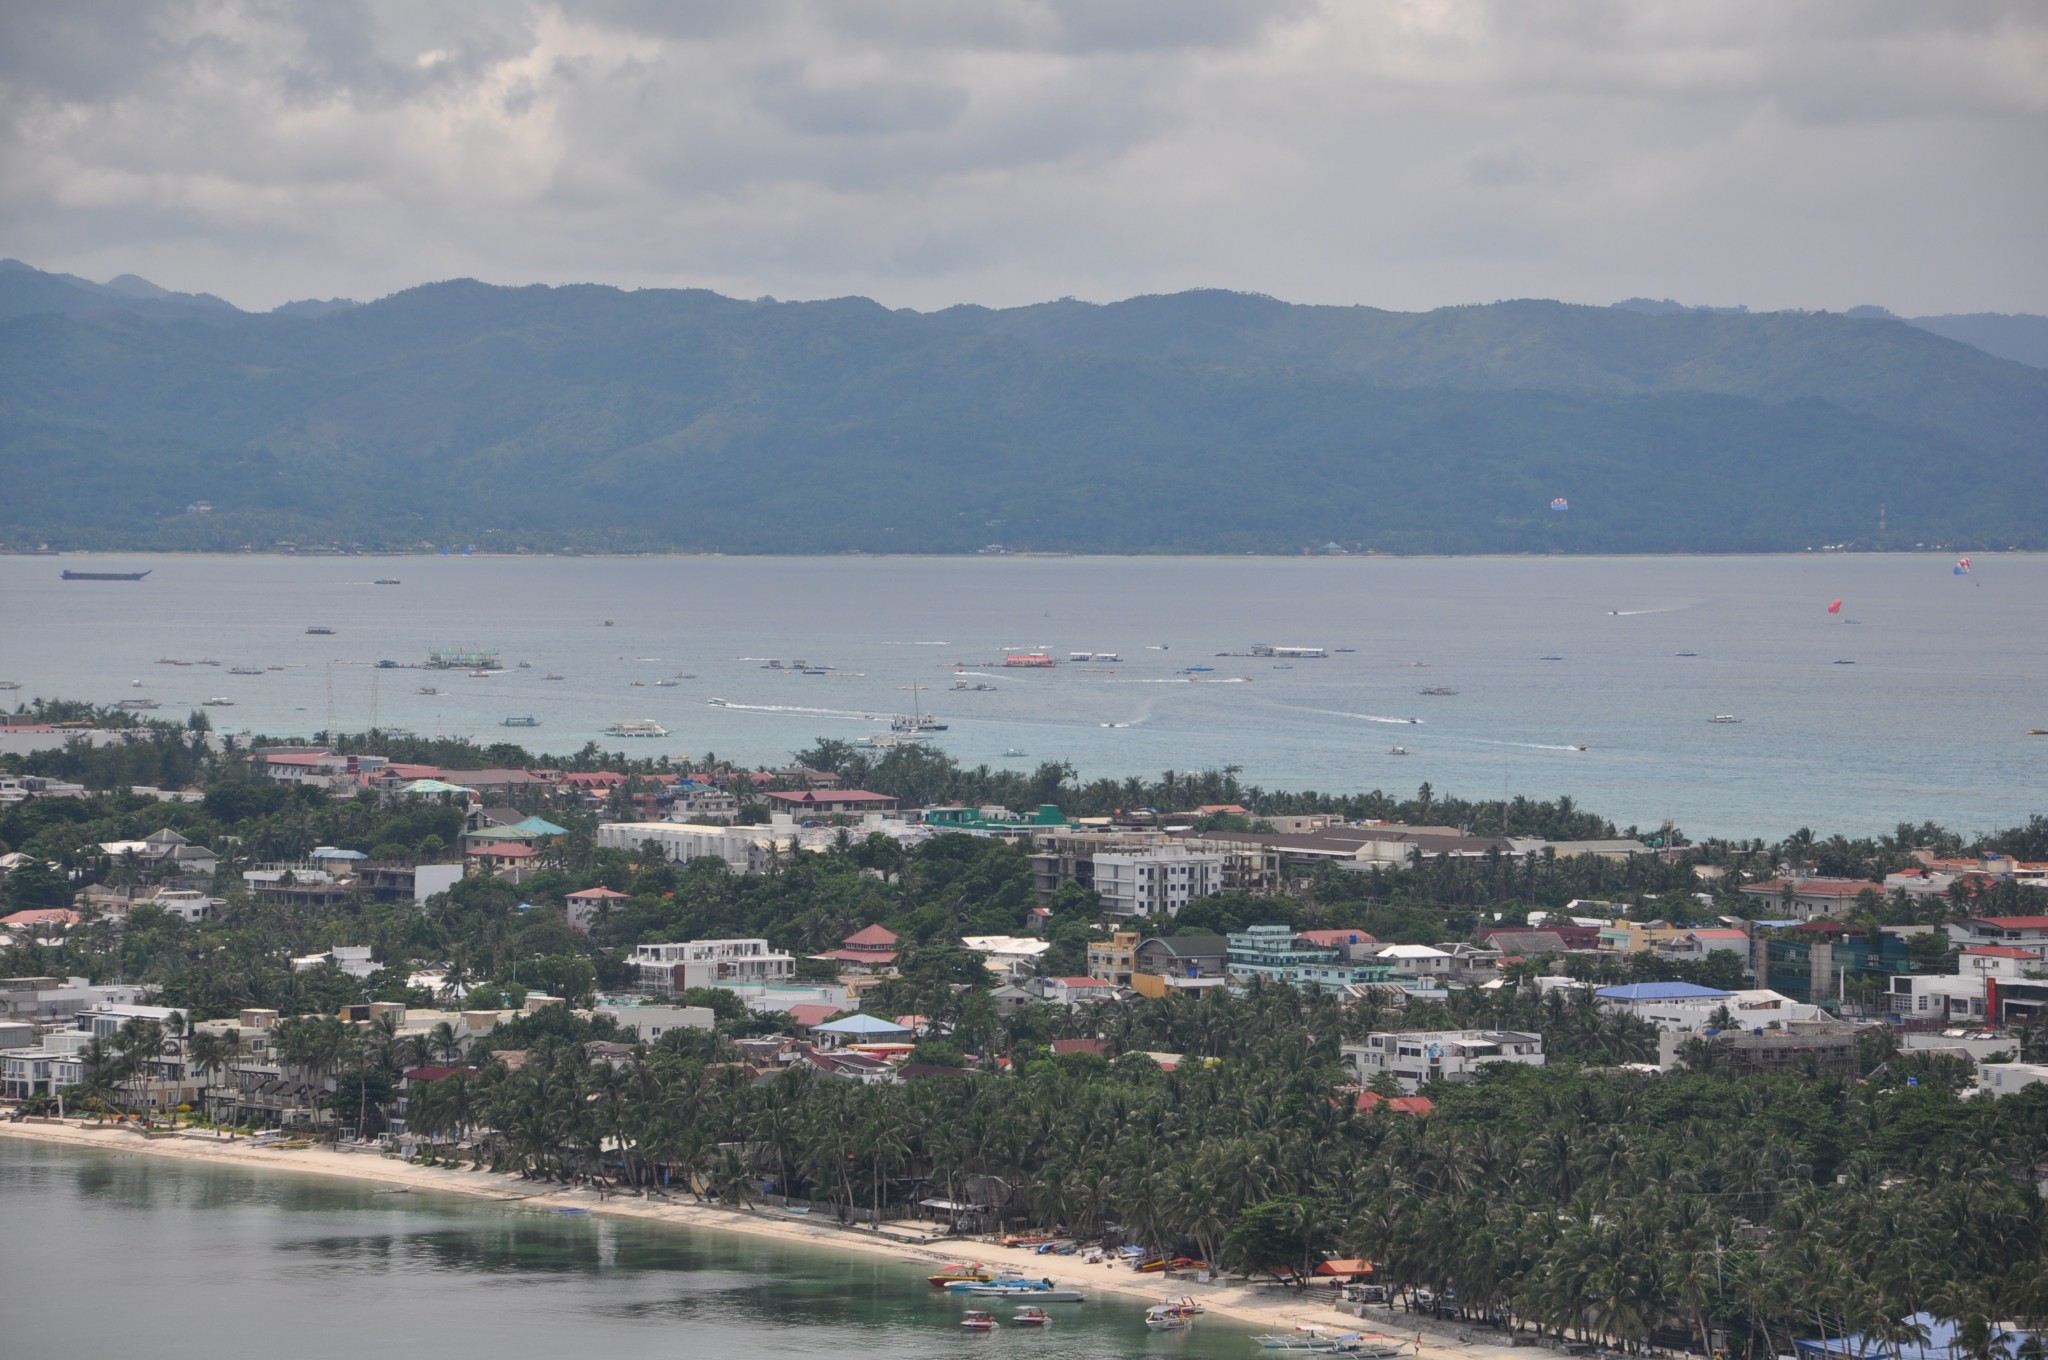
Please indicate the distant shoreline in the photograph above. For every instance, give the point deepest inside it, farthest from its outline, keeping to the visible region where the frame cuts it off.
(1238, 1302)
(97, 554)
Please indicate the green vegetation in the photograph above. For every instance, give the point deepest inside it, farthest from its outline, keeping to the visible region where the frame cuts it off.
(600, 420)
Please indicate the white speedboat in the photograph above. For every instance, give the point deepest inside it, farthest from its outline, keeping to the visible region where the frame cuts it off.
(1163, 1317)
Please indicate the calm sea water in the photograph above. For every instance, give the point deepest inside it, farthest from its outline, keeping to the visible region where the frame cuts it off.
(1629, 656)
(114, 1255)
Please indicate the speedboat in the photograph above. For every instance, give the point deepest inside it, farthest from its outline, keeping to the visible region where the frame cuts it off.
(1031, 1317)
(1162, 1317)
(978, 1321)
(1399, 751)
(551, 676)
(385, 581)
(427, 689)
(973, 1272)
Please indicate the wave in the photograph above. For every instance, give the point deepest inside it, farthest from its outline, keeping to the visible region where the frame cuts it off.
(847, 714)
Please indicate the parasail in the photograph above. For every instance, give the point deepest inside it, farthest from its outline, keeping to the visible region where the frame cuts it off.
(1560, 504)
(1835, 608)
(1962, 567)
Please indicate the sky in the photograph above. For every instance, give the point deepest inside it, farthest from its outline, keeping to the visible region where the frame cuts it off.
(1399, 153)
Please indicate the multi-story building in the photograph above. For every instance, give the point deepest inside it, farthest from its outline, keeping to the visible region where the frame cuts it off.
(1438, 1055)
(1185, 963)
(702, 963)
(1280, 953)
(745, 849)
(1155, 882)
(1110, 959)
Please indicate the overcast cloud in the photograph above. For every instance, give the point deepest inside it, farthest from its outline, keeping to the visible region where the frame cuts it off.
(926, 152)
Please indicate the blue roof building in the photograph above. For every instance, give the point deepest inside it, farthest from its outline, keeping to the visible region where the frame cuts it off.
(1662, 991)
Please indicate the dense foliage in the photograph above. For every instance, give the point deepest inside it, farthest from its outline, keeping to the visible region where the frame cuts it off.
(598, 419)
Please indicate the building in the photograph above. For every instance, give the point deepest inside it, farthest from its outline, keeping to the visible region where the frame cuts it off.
(2002, 1079)
(745, 849)
(2024, 932)
(1110, 959)
(691, 801)
(1279, 954)
(164, 853)
(870, 950)
(1179, 963)
(702, 963)
(1637, 937)
(1155, 882)
(1803, 1045)
(1416, 960)
(587, 906)
(1693, 946)
(1076, 991)
(650, 1020)
(1438, 1055)
(1813, 960)
(830, 802)
(1805, 898)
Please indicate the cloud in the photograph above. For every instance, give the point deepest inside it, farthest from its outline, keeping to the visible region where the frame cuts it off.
(1405, 154)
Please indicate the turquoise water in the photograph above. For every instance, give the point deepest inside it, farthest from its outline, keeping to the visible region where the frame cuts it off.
(1929, 721)
(105, 1254)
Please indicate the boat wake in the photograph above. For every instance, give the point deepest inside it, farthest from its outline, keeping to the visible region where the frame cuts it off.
(1530, 745)
(1365, 717)
(846, 714)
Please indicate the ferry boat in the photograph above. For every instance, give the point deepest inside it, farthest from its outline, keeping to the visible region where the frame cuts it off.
(134, 705)
(218, 701)
(1439, 689)
(245, 670)
(1013, 754)
(1093, 656)
(16, 684)
(666, 684)
(106, 575)
(528, 721)
(1029, 661)
(636, 727)
(916, 722)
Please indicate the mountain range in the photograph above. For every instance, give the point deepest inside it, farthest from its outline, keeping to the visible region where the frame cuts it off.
(591, 418)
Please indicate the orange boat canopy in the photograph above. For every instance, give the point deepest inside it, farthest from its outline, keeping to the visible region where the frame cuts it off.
(1345, 1266)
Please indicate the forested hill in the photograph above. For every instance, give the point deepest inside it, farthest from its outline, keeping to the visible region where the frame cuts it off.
(587, 417)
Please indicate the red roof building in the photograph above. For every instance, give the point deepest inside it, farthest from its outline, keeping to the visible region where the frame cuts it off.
(830, 802)
(586, 906)
(39, 916)
(872, 949)
(1415, 1107)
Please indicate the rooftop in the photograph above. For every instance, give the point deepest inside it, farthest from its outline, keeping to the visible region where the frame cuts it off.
(1663, 991)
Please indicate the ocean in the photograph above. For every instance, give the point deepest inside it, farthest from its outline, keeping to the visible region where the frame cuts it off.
(107, 1254)
(1912, 702)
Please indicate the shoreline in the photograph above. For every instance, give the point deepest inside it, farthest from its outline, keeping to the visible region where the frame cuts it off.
(1045, 554)
(1255, 1306)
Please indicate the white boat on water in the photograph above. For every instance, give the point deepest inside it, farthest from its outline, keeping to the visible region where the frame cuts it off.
(1724, 718)
(636, 727)
(218, 701)
(1164, 1317)
(1042, 1292)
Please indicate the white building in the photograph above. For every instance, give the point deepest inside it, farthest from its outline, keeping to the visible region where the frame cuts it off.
(2002, 1079)
(1007, 956)
(1686, 1007)
(1415, 960)
(1155, 882)
(1438, 1055)
(650, 1021)
(702, 963)
(745, 849)
(47, 999)
(188, 904)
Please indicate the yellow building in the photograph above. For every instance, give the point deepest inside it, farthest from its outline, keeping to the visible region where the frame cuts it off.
(1110, 960)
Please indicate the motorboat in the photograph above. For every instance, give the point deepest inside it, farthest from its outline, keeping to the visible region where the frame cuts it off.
(481, 675)
(1579, 746)
(218, 701)
(1399, 751)
(1031, 1317)
(666, 684)
(551, 676)
(385, 581)
(1045, 1291)
(526, 665)
(1162, 1317)
(636, 727)
(1724, 718)
(978, 1321)
(1186, 1303)
(245, 670)
(321, 632)
(1439, 689)
(427, 689)
(16, 684)
(972, 1272)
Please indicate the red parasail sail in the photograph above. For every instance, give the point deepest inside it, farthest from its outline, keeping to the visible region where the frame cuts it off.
(1835, 608)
